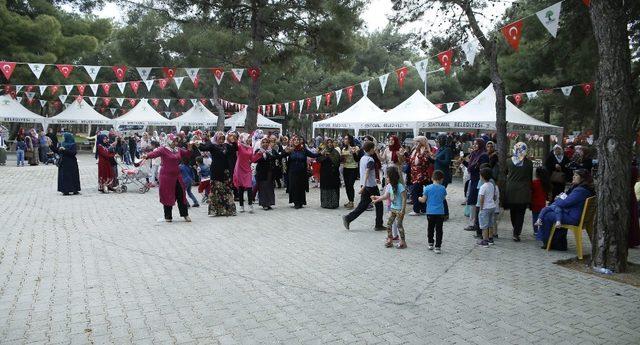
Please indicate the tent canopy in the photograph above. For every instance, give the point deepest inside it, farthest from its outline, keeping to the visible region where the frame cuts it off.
(143, 114)
(410, 113)
(12, 111)
(80, 113)
(198, 115)
(480, 114)
(238, 119)
(364, 114)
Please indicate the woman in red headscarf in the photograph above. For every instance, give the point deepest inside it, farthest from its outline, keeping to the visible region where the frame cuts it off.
(105, 169)
(392, 155)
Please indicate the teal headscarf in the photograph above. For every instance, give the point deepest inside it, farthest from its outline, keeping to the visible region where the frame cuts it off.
(69, 140)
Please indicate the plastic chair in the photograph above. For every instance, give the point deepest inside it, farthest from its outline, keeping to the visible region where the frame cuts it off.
(587, 221)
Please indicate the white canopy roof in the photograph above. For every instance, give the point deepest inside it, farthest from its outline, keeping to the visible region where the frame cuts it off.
(362, 115)
(238, 119)
(80, 113)
(198, 115)
(143, 114)
(480, 114)
(410, 113)
(12, 111)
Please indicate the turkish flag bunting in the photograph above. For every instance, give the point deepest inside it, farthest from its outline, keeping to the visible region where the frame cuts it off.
(7, 68)
(155, 101)
(132, 101)
(105, 87)
(462, 103)
(65, 70)
(196, 81)
(349, 90)
(81, 88)
(279, 106)
(30, 101)
(203, 101)
(218, 73)
(254, 72)
(163, 83)
(513, 33)
(268, 111)
(308, 102)
(439, 105)
(54, 89)
(445, 60)
(587, 88)
(169, 72)
(401, 73)
(120, 72)
(134, 86)
(293, 106)
(79, 99)
(106, 101)
(182, 101)
(586, 2)
(518, 98)
(29, 88)
(327, 99)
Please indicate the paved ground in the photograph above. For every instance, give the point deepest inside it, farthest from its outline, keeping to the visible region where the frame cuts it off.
(100, 269)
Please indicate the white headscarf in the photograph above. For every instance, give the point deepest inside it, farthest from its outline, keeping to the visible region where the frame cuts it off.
(561, 156)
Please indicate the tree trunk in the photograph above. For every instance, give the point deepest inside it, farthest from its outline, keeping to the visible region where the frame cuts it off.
(614, 94)
(219, 107)
(257, 38)
(546, 148)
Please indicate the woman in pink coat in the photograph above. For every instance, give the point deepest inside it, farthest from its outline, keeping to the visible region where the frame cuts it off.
(172, 187)
(242, 175)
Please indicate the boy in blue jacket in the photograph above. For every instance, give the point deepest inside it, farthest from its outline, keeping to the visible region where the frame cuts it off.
(187, 178)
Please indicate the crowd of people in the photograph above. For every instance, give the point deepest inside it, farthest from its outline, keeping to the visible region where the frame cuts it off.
(229, 168)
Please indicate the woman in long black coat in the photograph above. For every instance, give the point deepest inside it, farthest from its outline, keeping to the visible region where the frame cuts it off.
(329, 176)
(68, 174)
(557, 163)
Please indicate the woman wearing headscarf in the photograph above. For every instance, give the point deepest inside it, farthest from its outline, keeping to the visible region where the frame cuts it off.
(565, 211)
(442, 162)
(221, 195)
(68, 174)
(421, 169)
(392, 155)
(556, 164)
(518, 188)
(3, 149)
(580, 160)
(298, 174)
(349, 159)
(242, 176)
(105, 171)
(493, 160)
(476, 158)
(277, 168)
(265, 158)
(172, 188)
(329, 160)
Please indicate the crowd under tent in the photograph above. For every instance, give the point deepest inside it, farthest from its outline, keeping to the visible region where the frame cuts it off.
(79, 112)
(409, 114)
(12, 111)
(480, 114)
(363, 115)
(143, 114)
(238, 120)
(197, 116)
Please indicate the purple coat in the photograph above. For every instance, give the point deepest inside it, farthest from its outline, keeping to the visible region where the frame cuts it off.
(170, 173)
(242, 176)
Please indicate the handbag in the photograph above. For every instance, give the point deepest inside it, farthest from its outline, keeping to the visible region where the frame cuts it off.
(557, 177)
(28, 155)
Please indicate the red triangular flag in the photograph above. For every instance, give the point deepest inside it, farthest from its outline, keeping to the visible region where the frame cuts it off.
(134, 86)
(349, 90)
(155, 102)
(518, 98)
(7, 68)
(132, 101)
(54, 89)
(279, 106)
(106, 101)
(445, 60)
(218, 73)
(461, 103)
(439, 105)
(512, 33)
(327, 99)
(65, 70)
(182, 101)
(293, 106)
(308, 101)
(120, 72)
(196, 81)
(203, 101)
(105, 88)
(163, 83)
(401, 73)
(586, 2)
(254, 72)
(169, 72)
(587, 88)
(81, 88)
(29, 88)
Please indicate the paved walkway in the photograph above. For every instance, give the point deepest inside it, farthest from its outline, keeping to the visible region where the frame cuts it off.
(94, 269)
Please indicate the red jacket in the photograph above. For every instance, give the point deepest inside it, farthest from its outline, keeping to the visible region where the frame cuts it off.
(538, 196)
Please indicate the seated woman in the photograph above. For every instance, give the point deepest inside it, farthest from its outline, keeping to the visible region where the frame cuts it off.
(567, 210)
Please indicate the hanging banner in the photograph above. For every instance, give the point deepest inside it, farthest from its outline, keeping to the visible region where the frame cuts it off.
(132, 102)
(134, 86)
(193, 101)
(338, 95)
(7, 68)
(192, 73)
(550, 18)
(167, 101)
(63, 98)
(42, 103)
(349, 90)
(470, 49)
(566, 90)
(383, 82)
(105, 88)
(286, 108)
(401, 73)
(93, 100)
(293, 106)
(120, 72)
(113, 111)
(81, 88)
(36, 69)
(148, 84)
(279, 108)
(512, 33)
(120, 100)
(178, 81)
(300, 105)
(106, 101)
(461, 103)
(42, 89)
(68, 88)
(92, 71)
(318, 98)
(218, 73)
(144, 72)
(532, 95)
(236, 73)
(182, 101)
(327, 99)
(65, 70)
(445, 60)
(308, 100)
(421, 67)
(163, 83)
(169, 72)
(203, 101)
(587, 87)
(449, 106)
(196, 81)
(518, 98)
(253, 72)
(94, 88)
(121, 86)
(365, 87)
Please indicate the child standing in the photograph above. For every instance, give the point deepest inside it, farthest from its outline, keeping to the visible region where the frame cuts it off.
(205, 178)
(434, 196)
(487, 198)
(396, 193)
(187, 178)
(540, 187)
(21, 147)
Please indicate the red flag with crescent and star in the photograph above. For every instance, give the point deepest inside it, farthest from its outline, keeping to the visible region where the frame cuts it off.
(169, 72)
(308, 102)
(349, 90)
(65, 70)
(182, 101)
(327, 99)
(155, 102)
(513, 33)
(293, 106)
(587, 88)
(106, 87)
(163, 83)
(7, 68)
(445, 60)
(106, 101)
(54, 89)
(518, 98)
(279, 107)
(401, 73)
(254, 72)
(120, 72)
(132, 101)
(218, 73)
(134, 86)
(81, 88)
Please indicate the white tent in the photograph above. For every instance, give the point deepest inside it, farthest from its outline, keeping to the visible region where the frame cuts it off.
(480, 114)
(238, 119)
(12, 111)
(410, 113)
(143, 114)
(197, 116)
(362, 115)
(80, 113)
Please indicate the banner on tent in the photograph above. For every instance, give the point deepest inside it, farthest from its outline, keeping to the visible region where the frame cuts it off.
(489, 126)
(79, 122)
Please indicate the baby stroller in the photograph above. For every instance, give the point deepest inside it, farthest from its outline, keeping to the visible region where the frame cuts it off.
(134, 175)
(51, 158)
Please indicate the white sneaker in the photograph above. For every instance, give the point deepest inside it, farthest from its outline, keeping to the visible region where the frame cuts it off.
(437, 250)
(241, 209)
(250, 208)
(413, 213)
(430, 246)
